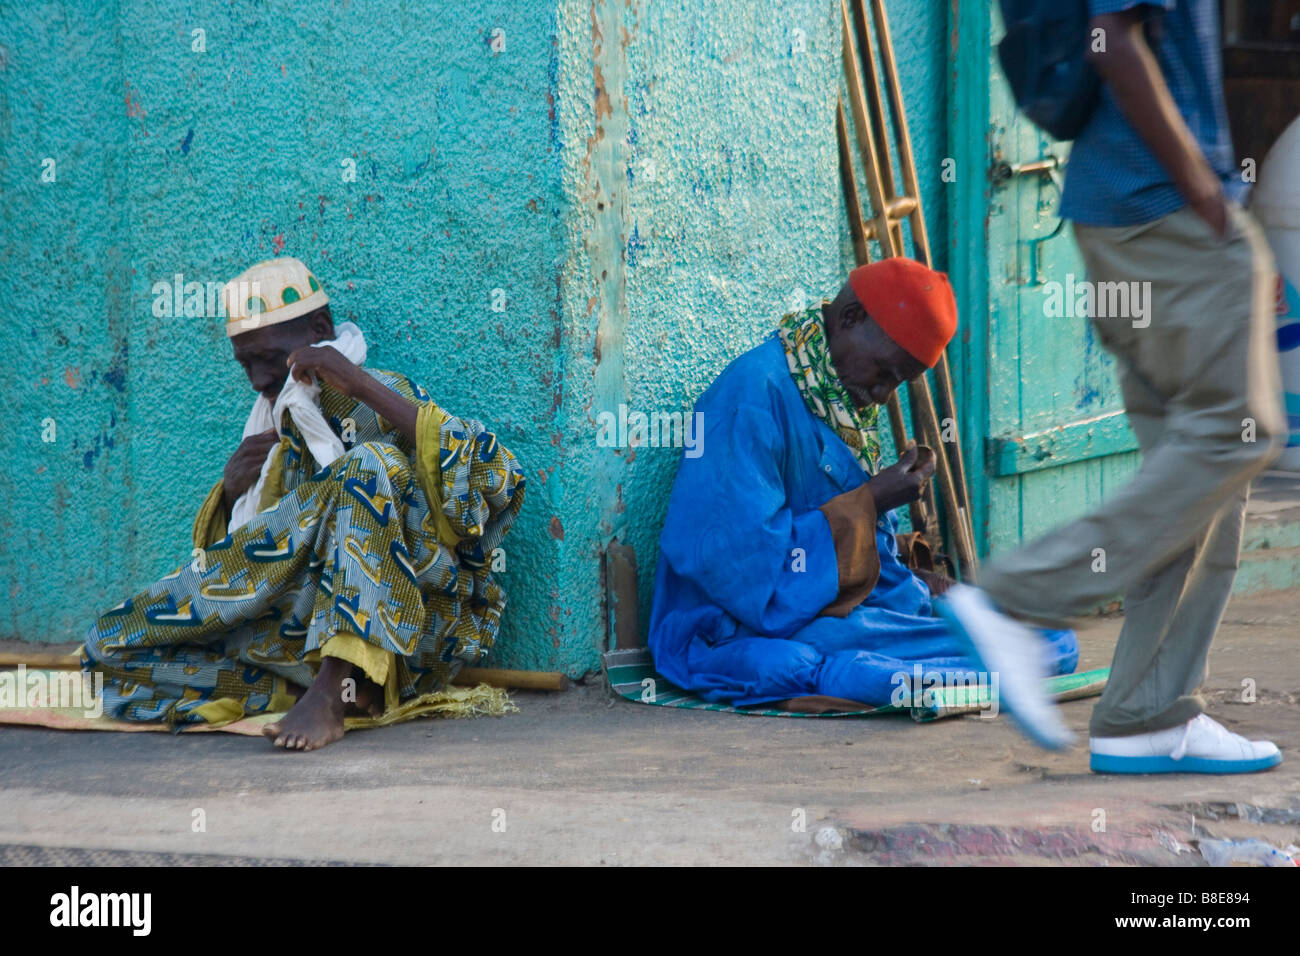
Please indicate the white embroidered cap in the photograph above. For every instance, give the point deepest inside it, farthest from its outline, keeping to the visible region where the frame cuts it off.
(269, 293)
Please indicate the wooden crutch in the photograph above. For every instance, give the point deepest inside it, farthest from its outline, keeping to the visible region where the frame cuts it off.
(920, 238)
(924, 515)
(889, 209)
(466, 677)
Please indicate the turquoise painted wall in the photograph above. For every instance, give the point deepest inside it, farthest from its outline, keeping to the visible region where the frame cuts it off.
(649, 184)
(725, 178)
(175, 161)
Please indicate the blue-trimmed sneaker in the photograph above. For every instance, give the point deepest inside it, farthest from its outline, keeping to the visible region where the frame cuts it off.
(1007, 648)
(1201, 745)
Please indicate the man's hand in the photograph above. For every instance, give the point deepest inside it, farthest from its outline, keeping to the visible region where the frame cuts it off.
(246, 464)
(329, 364)
(333, 366)
(1205, 198)
(936, 582)
(901, 482)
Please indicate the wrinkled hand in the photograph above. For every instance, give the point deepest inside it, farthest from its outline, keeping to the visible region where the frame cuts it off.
(246, 463)
(937, 583)
(328, 364)
(901, 482)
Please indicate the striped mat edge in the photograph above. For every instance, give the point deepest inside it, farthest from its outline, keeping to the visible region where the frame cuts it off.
(632, 676)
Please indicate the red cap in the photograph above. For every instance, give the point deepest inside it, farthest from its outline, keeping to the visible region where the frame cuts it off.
(912, 304)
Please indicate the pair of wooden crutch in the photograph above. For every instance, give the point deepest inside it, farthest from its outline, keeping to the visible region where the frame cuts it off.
(888, 210)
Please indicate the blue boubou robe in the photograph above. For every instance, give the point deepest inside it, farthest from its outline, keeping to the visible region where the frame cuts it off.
(747, 562)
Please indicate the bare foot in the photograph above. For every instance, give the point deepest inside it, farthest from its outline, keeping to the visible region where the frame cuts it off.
(317, 718)
(370, 698)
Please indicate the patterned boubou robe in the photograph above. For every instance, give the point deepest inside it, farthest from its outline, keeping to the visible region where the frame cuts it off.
(383, 558)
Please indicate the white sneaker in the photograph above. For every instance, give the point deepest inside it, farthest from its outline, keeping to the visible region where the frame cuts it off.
(1011, 650)
(1201, 745)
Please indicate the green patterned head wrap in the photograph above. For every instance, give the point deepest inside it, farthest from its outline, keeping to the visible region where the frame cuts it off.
(803, 334)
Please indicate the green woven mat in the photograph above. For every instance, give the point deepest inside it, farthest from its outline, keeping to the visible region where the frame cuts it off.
(632, 675)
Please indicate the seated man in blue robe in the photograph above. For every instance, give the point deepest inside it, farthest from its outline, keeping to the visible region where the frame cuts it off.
(779, 574)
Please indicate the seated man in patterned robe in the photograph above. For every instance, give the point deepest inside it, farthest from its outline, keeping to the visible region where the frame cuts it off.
(779, 574)
(343, 558)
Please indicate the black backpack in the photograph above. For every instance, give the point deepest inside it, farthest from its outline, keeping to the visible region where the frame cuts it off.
(1044, 56)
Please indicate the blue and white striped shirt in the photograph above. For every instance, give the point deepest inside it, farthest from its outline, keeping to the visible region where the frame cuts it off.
(1112, 178)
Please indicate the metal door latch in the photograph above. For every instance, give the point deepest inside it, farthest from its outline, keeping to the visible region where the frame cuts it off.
(1048, 165)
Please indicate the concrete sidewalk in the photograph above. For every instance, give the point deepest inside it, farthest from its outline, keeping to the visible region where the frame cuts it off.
(581, 777)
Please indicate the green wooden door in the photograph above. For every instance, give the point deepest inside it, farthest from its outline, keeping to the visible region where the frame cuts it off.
(1042, 412)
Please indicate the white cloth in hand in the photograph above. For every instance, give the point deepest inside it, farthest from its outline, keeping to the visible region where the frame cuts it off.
(300, 400)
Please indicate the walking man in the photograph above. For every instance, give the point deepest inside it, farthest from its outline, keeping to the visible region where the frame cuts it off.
(1200, 380)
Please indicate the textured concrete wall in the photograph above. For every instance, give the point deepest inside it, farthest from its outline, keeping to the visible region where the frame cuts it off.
(707, 200)
(172, 161)
(650, 183)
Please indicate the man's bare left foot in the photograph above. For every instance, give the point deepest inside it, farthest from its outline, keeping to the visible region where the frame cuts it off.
(317, 718)
(369, 700)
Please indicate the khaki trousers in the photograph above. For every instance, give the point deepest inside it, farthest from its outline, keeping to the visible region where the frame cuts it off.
(1203, 394)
